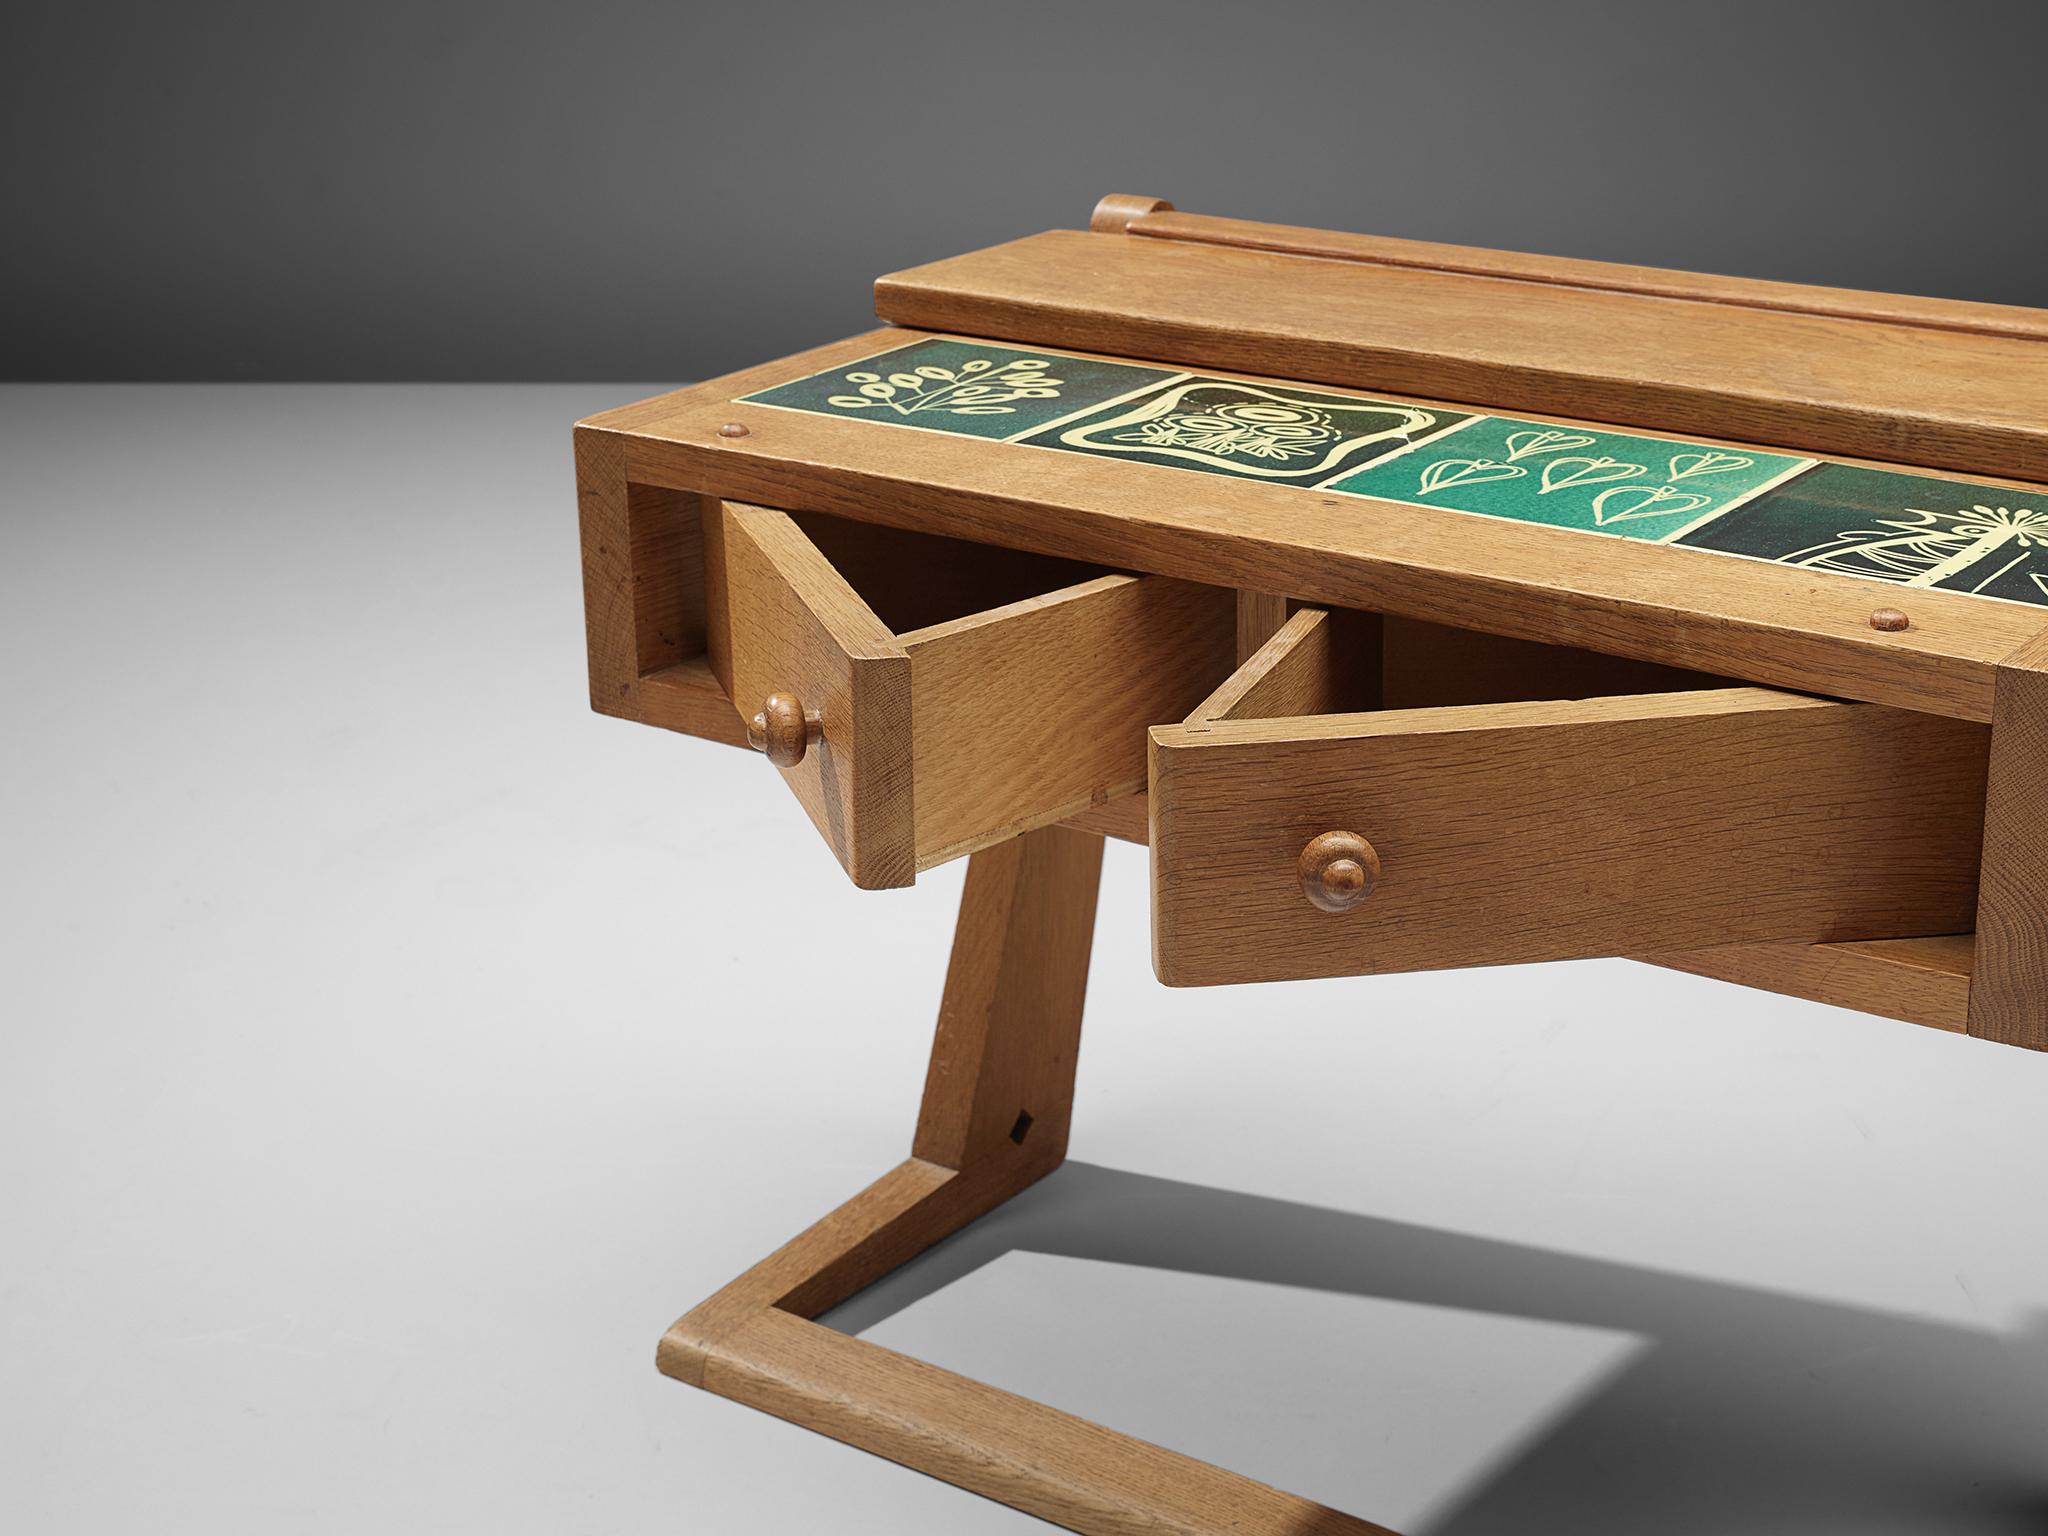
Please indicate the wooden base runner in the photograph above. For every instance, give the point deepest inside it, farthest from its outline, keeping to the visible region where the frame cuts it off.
(997, 1106)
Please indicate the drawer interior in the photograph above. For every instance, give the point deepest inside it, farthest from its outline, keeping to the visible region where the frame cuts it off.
(915, 580)
(675, 589)
(1342, 661)
(909, 583)
(951, 693)
(1486, 801)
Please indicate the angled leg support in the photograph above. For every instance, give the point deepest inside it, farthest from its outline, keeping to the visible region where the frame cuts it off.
(998, 1103)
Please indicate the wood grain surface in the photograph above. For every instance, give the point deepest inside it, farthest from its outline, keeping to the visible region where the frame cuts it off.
(1544, 831)
(1923, 981)
(1317, 663)
(796, 627)
(1047, 1463)
(2009, 993)
(1689, 608)
(1025, 714)
(1164, 222)
(999, 1090)
(945, 739)
(1259, 615)
(1963, 399)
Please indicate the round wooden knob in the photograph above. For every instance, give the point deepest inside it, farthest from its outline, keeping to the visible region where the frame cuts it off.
(783, 730)
(1890, 620)
(1338, 870)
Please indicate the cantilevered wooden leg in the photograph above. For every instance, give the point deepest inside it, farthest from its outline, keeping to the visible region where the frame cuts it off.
(997, 1104)
(998, 1096)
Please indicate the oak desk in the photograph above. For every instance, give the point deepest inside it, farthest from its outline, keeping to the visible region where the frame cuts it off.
(1419, 606)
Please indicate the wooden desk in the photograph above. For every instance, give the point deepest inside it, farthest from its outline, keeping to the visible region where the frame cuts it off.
(1419, 606)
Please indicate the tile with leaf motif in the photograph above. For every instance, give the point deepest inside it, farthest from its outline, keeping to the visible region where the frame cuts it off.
(1572, 477)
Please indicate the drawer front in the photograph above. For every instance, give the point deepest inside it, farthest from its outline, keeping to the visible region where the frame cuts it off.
(931, 742)
(784, 624)
(1514, 832)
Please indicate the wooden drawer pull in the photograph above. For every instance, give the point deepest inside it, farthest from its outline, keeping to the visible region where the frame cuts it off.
(1338, 870)
(784, 730)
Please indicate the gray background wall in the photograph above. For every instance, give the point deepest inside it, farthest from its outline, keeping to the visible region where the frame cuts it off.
(383, 1059)
(625, 189)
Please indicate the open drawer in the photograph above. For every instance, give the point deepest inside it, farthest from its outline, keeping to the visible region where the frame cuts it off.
(925, 696)
(1369, 795)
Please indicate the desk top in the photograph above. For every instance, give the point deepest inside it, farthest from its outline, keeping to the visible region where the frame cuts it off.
(1762, 556)
(1724, 557)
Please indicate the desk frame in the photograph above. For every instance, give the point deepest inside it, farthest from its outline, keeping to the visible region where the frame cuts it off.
(1338, 310)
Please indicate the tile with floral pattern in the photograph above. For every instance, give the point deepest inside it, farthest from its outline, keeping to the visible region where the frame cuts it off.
(1256, 432)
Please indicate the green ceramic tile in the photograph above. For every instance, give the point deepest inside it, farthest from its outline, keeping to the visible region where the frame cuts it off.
(1913, 530)
(1916, 530)
(960, 386)
(1571, 477)
(1255, 432)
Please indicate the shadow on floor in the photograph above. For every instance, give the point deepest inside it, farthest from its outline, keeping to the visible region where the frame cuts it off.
(1751, 1414)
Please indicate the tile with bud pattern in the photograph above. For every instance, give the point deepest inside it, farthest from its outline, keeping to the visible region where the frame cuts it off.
(964, 387)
